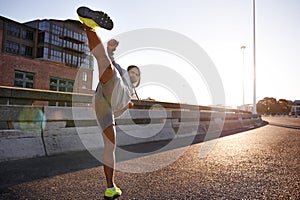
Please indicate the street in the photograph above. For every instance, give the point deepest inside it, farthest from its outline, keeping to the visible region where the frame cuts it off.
(262, 163)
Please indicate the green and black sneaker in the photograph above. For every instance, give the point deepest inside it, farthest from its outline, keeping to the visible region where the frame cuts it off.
(112, 194)
(94, 19)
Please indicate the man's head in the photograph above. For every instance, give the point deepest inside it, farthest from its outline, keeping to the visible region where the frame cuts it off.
(134, 75)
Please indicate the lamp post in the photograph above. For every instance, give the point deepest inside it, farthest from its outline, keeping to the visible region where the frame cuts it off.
(254, 62)
(243, 76)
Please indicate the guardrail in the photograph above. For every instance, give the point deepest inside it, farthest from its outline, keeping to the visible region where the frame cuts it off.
(9, 94)
(29, 131)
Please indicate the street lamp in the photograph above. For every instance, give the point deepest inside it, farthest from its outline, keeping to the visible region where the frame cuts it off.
(254, 62)
(243, 52)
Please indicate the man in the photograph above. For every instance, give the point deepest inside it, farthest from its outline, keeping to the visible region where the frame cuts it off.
(113, 93)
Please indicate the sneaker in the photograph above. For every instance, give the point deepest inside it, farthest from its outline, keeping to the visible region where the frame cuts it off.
(112, 194)
(94, 19)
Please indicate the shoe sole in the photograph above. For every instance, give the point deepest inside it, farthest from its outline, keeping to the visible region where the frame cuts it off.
(99, 18)
(111, 198)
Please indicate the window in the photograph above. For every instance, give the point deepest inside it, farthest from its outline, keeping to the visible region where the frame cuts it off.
(87, 62)
(76, 36)
(84, 76)
(56, 40)
(68, 33)
(46, 53)
(76, 46)
(84, 38)
(60, 84)
(46, 37)
(68, 59)
(44, 26)
(43, 52)
(43, 37)
(55, 55)
(57, 29)
(24, 79)
(12, 47)
(27, 35)
(26, 50)
(13, 30)
(68, 44)
(74, 60)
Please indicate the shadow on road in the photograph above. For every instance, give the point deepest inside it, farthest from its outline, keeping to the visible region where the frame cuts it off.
(20, 171)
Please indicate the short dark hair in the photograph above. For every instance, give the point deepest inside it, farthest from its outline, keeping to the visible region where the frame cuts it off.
(133, 66)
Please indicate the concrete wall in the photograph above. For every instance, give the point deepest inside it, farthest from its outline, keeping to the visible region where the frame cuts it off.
(27, 131)
(20, 132)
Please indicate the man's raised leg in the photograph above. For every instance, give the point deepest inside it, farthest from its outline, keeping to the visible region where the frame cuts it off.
(106, 69)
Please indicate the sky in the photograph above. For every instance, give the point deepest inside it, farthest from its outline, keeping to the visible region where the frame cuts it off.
(219, 27)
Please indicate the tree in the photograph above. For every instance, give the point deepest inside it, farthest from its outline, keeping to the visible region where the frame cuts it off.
(261, 107)
(271, 106)
(285, 106)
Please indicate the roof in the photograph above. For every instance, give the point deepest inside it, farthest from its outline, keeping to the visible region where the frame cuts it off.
(297, 102)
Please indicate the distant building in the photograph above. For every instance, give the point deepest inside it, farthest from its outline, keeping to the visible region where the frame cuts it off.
(295, 110)
(246, 107)
(45, 54)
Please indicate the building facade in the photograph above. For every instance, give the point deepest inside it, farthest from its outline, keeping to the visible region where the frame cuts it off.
(46, 55)
(295, 110)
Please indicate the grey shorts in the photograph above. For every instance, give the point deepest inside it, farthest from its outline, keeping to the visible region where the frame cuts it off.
(110, 98)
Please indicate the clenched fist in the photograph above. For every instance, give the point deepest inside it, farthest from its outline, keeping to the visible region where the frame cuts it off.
(112, 44)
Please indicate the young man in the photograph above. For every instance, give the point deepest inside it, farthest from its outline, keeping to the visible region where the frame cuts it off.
(113, 93)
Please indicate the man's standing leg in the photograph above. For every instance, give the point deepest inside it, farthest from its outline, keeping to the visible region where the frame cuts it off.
(106, 71)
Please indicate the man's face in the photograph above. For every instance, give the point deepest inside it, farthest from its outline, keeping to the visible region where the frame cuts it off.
(134, 75)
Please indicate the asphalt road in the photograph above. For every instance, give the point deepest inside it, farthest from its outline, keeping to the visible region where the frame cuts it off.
(262, 163)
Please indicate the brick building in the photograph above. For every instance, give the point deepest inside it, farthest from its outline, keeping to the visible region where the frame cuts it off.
(45, 54)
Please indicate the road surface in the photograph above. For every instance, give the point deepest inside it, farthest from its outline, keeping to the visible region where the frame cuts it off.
(262, 163)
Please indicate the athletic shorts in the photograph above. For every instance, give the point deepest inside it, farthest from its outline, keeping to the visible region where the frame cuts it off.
(110, 100)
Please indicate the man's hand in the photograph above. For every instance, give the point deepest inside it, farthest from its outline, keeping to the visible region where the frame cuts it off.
(112, 44)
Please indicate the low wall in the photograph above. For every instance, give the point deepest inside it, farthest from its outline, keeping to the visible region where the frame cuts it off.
(27, 131)
(31, 131)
